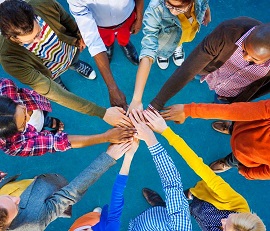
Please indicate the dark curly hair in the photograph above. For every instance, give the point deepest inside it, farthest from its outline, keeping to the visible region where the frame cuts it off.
(16, 18)
(8, 126)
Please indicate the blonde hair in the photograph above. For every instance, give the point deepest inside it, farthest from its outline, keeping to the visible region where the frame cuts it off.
(247, 222)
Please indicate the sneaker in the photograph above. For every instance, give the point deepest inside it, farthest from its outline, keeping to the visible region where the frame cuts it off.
(131, 53)
(178, 56)
(110, 52)
(85, 70)
(220, 165)
(97, 210)
(163, 63)
(59, 81)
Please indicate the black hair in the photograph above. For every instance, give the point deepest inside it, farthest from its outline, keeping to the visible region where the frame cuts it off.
(16, 18)
(8, 125)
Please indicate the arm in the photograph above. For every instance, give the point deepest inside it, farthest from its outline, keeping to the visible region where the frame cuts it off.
(195, 63)
(58, 202)
(114, 135)
(242, 111)
(117, 197)
(21, 65)
(141, 78)
(139, 5)
(216, 183)
(176, 203)
(97, 49)
(117, 98)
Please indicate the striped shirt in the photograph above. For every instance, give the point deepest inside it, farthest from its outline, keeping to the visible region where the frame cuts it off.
(56, 55)
(236, 74)
(176, 215)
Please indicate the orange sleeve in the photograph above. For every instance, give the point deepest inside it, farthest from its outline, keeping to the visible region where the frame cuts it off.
(262, 172)
(246, 111)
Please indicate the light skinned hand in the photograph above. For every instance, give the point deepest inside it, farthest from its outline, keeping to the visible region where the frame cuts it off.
(207, 17)
(120, 135)
(155, 121)
(143, 131)
(135, 105)
(2, 175)
(116, 117)
(116, 151)
(175, 113)
(133, 148)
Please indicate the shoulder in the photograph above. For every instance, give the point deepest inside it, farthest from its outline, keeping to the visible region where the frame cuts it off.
(244, 23)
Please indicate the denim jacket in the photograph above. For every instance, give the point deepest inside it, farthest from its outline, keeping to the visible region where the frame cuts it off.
(162, 30)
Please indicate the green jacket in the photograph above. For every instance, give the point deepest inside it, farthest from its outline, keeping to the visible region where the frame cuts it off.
(29, 69)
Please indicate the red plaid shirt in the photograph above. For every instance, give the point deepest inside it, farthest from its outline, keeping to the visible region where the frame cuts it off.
(30, 142)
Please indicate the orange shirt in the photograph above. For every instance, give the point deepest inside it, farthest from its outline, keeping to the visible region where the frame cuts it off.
(250, 139)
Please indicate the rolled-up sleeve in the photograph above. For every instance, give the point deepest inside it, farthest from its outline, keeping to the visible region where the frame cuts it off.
(87, 26)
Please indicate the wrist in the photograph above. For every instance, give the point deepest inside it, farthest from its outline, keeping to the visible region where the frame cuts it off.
(151, 141)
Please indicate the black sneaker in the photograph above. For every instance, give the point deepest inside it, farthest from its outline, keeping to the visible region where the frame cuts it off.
(131, 53)
(59, 81)
(110, 52)
(85, 70)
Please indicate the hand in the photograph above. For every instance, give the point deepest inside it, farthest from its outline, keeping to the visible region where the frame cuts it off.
(117, 98)
(136, 26)
(155, 121)
(207, 17)
(143, 131)
(120, 135)
(133, 148)
(80, 44)
(116, 151)
(115, 116)
(175, 113)
(2, 175)
(135, 105)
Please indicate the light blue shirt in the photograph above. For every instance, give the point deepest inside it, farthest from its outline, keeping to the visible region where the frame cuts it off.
(91, 13)
(176, 215)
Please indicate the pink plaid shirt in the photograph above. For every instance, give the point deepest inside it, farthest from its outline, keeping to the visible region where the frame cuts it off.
(235, 74)
(30, 142)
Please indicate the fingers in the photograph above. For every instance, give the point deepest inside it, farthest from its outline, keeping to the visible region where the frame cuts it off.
(137, 115)
(134, 122)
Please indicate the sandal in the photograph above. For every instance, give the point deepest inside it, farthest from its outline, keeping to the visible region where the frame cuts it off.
(57, 122)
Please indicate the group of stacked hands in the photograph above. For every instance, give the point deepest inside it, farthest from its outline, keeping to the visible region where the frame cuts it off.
(234, 60)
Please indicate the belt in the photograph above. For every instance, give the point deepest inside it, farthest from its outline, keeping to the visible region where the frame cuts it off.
(116, 26)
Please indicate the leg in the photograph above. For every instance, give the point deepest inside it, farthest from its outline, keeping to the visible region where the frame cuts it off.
(123, 36)
(108, 36)
(232, 161)
(224, 164)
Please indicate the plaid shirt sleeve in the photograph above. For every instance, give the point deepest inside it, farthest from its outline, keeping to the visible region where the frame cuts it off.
(33, 143)
(176, 203)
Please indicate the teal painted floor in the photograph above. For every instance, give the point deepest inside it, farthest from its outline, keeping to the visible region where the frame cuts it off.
(197, 133)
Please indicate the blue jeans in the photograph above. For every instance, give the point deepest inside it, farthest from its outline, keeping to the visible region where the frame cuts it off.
(220, 100)
(232, 161)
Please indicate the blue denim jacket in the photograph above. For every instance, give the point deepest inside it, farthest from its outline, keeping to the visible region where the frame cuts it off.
(162, 30)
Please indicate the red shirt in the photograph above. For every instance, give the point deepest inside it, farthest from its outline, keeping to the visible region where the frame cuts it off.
(250, 140)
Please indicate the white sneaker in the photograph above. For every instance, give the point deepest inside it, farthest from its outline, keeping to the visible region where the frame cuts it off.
(163, 63)
(97, 210)
(178, 56)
